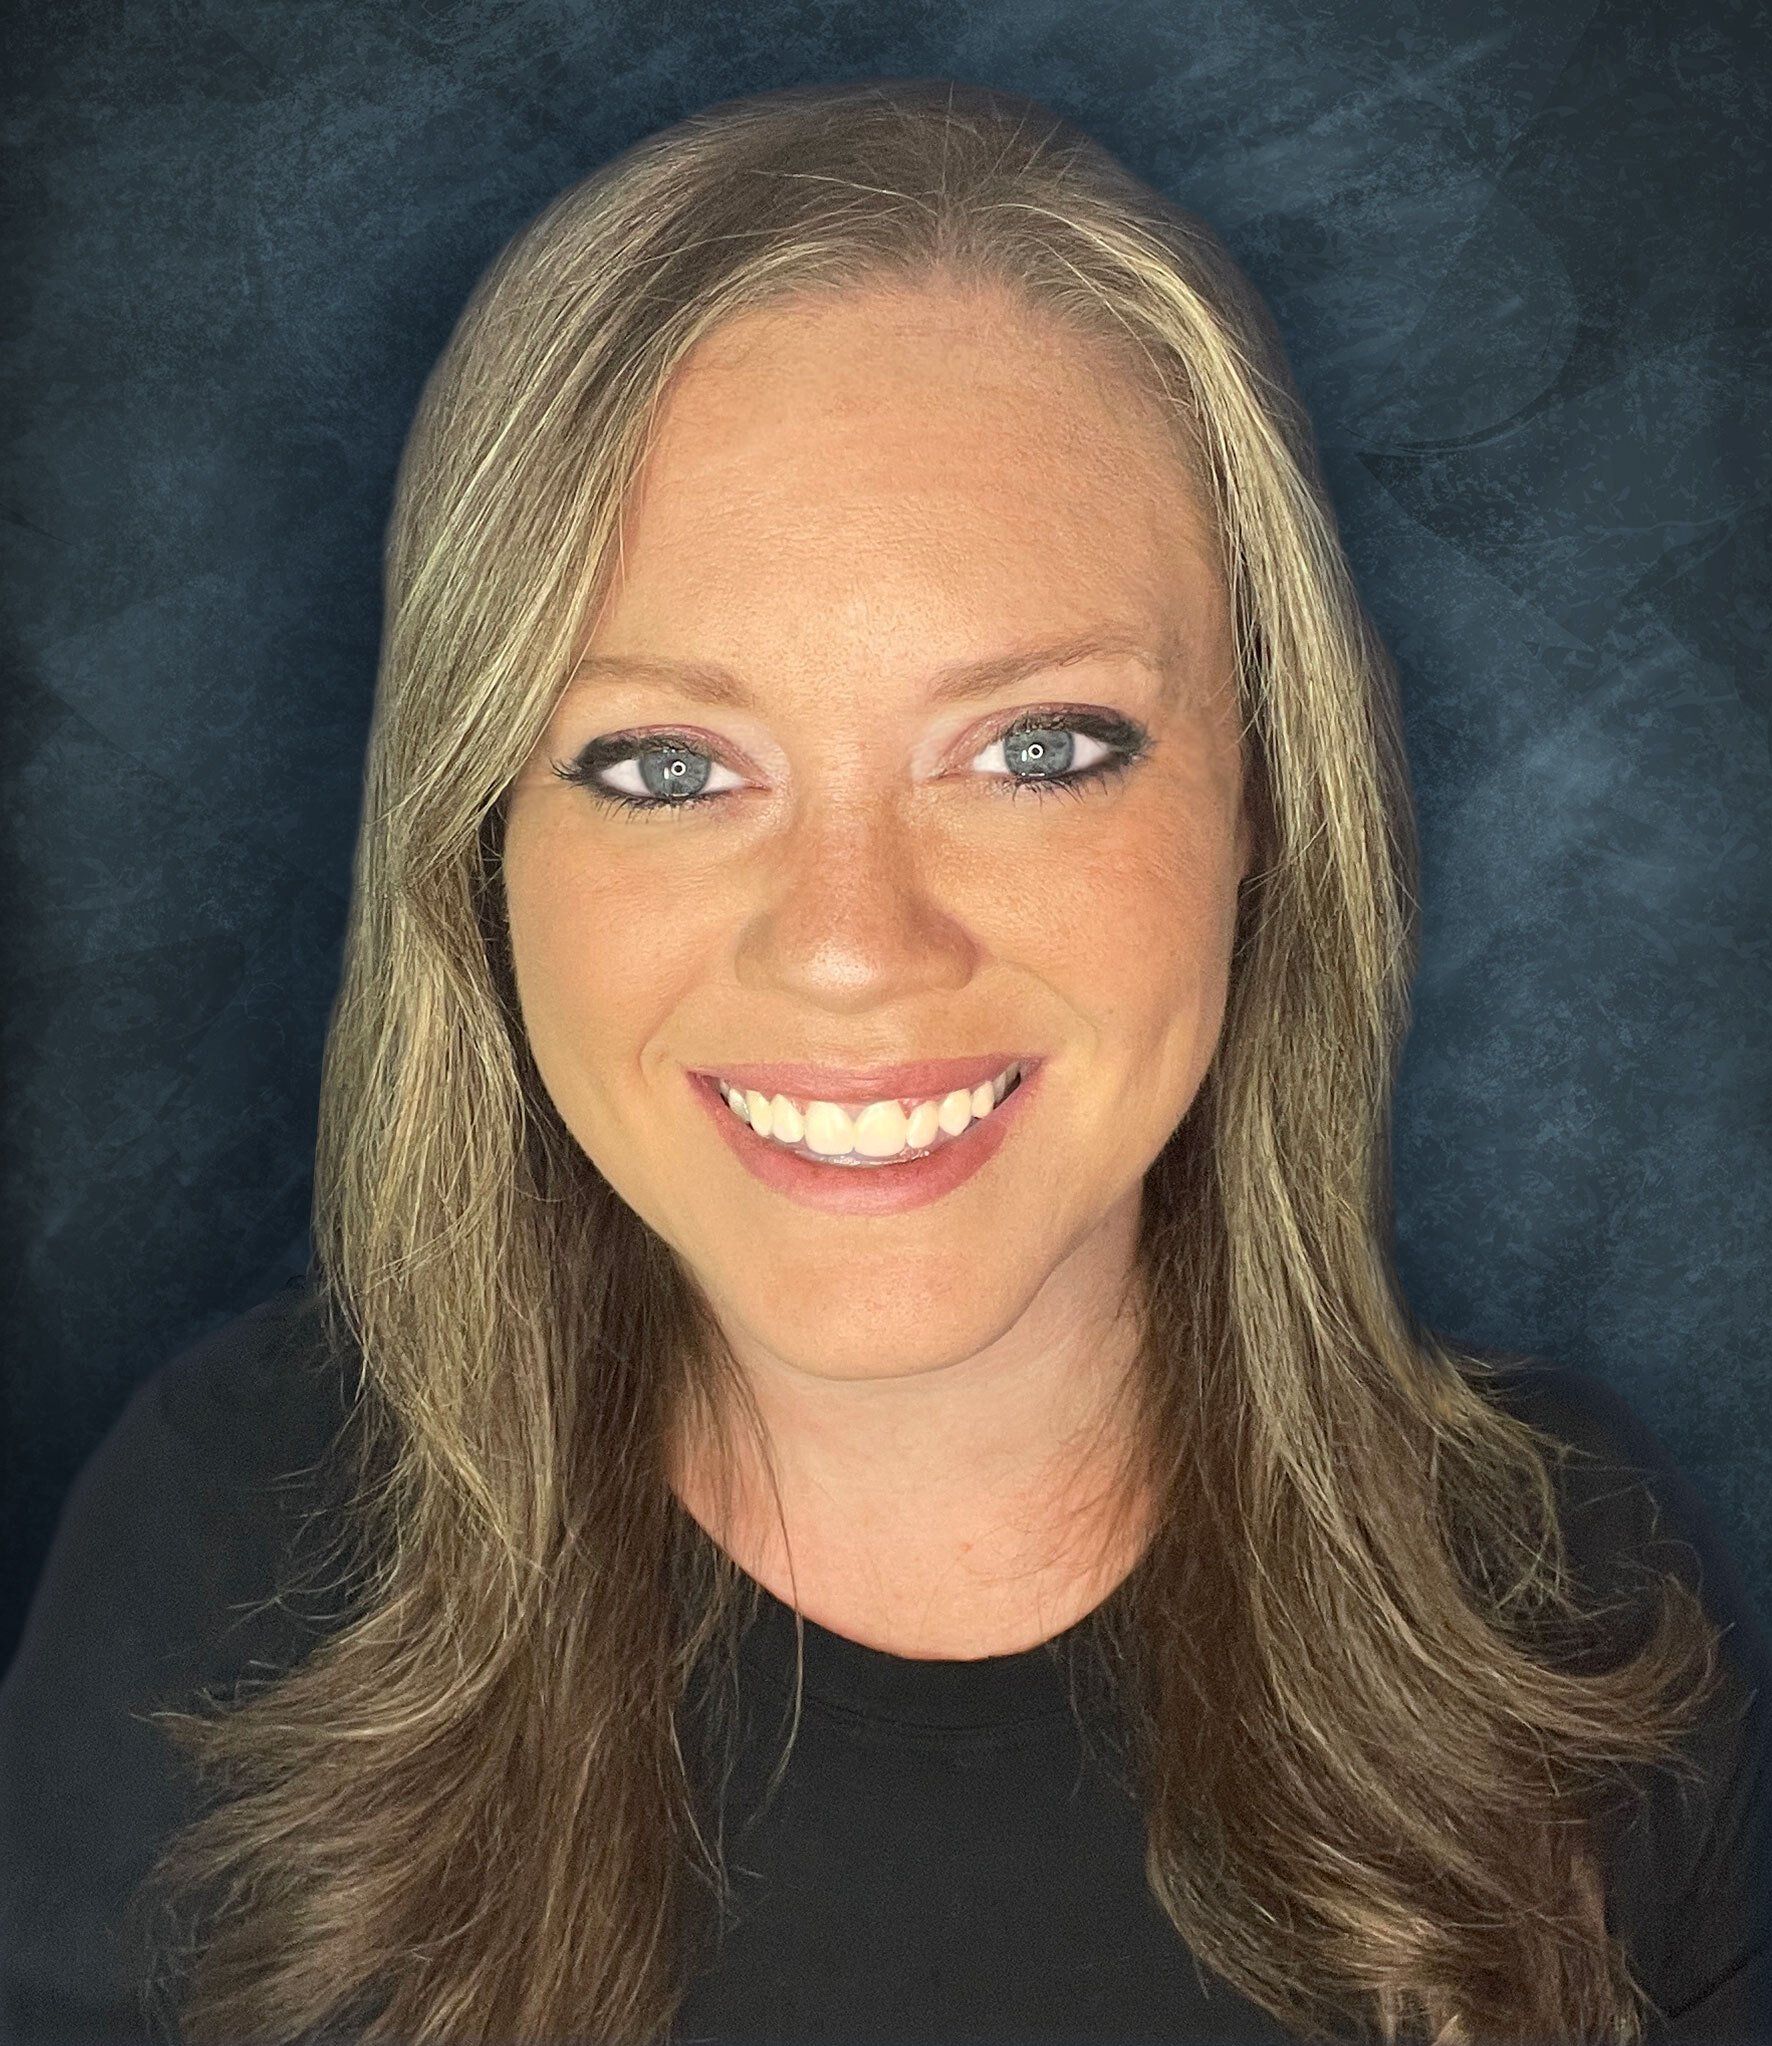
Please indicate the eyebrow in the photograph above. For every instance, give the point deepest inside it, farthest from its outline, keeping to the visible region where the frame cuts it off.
(958, 682)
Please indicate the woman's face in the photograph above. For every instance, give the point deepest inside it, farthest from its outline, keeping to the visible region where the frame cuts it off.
(843, 502)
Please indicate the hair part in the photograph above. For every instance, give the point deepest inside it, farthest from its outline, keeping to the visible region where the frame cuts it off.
(467, 1813)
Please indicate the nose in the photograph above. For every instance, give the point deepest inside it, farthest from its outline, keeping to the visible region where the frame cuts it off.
(854, 910)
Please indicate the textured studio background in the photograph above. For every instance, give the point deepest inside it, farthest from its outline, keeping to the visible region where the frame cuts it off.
(1520, 257)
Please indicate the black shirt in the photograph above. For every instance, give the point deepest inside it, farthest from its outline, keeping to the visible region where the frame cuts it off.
(944, 1858)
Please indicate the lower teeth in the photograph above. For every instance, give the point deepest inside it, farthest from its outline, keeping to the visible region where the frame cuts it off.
(855, 1158)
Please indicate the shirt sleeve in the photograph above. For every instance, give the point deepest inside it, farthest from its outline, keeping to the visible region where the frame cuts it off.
(1690, 1888)
(166, 1549)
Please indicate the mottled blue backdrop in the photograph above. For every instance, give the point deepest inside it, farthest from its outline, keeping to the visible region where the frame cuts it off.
(1520, 257)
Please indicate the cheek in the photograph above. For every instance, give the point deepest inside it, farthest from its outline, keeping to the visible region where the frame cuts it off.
(1143, 916)
(1139, 944)
(600, 958)
(569, 950)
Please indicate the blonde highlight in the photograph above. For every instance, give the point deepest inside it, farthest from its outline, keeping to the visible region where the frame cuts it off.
(466, 1814)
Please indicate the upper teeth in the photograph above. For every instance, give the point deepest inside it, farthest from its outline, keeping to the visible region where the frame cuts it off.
(873, 1129)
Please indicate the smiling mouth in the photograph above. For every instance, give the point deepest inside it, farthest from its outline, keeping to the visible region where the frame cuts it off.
(880, 1133)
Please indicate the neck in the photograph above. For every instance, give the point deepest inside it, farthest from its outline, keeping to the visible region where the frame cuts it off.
(945, 1540)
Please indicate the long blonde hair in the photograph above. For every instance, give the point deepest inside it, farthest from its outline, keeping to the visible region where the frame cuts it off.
(465, 1815)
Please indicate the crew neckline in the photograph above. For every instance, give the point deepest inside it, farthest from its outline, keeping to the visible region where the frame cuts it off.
(930, 1691)
(941, 1692)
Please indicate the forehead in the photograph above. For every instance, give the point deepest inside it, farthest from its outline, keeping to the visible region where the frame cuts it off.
(945, 458)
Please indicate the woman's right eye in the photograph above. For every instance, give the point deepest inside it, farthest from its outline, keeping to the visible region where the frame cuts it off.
(662, 773)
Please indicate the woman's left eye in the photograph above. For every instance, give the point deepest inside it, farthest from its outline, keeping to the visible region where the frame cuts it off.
(1038, 750)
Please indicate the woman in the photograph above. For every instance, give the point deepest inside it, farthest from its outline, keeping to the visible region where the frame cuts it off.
(888, 1488)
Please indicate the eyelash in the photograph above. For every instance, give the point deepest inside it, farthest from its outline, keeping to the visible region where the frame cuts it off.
(1131, 743)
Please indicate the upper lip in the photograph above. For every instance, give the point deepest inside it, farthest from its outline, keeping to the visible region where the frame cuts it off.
(921, 1079)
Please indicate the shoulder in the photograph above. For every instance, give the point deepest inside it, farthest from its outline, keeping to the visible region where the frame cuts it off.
(1690, 1880)
(265, 1386)
(1629, 1508)
(201, 1489)
(165, 1577)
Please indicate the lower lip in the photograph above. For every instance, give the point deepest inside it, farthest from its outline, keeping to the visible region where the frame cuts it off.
(868, 1189)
